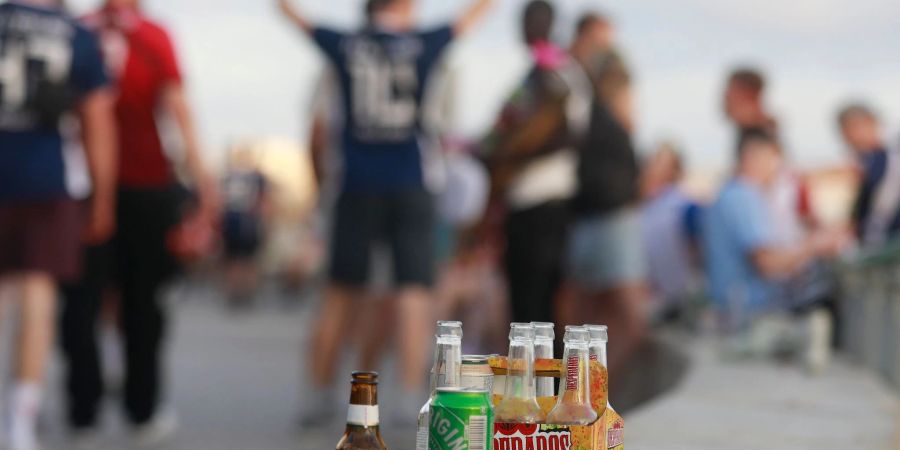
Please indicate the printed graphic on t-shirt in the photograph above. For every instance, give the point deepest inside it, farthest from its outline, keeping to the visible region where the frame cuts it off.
(384, 91)
(35, 54)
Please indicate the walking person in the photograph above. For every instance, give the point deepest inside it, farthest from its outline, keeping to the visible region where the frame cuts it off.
(531, 153)
(52, 71)
(383, 72)
(605, 258)
(141, 59)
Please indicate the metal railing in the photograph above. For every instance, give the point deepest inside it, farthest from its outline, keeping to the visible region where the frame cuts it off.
(869, 308)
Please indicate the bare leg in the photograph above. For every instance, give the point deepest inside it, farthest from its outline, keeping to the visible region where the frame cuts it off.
(414, 327)
(37, 313)
(37, 325)
(328, 334)
(376, 332)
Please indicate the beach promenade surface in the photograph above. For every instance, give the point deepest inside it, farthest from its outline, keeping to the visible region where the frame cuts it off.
(236, 384)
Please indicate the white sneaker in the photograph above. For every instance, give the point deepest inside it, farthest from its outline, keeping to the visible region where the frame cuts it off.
(158, 432)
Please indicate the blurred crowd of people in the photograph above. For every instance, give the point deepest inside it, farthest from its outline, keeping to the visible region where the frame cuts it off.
(553, 216)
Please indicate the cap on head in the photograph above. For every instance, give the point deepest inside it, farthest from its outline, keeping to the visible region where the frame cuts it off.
(537, 21)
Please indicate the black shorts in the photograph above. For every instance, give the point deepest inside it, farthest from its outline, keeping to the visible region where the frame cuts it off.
(404, 221)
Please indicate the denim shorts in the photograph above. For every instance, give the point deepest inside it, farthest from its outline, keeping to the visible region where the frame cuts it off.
(606, 250)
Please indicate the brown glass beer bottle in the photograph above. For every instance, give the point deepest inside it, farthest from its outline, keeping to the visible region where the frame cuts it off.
(362, 432)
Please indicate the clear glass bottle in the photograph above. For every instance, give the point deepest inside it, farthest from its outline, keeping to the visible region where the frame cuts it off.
(362, 432)
(519, 404)
(574, 404)
(544, 333)
(444, 373)
(599, 336)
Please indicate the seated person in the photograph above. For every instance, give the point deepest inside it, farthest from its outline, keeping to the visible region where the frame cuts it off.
(749, 269)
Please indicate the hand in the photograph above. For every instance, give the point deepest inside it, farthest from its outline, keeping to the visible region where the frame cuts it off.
(208, 199)
(101, 222)
(285, 7)
(831, 242)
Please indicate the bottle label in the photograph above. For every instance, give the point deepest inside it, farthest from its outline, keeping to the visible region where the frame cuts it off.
(572, 373)
(363, 415)
(615, 438)
(594, 358)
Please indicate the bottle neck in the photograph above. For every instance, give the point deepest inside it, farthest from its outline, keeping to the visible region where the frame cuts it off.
(447, 363)
(543, 348)
(598, 352)
(363, 411)
(575, 387)
(520, 382)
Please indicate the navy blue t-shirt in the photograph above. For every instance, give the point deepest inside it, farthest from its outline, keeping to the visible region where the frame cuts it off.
(383, 77)
(47, 61)
(875, 170)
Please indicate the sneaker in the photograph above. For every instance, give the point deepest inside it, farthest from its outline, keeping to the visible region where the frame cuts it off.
(158, 432)
(819, 333)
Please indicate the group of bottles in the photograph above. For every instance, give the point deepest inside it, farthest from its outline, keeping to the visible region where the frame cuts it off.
(528, 341)
(453, 371)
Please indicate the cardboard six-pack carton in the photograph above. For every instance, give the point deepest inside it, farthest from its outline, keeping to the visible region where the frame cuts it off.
(607, 433)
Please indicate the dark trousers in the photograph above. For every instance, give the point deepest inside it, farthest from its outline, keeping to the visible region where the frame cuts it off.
(139, 263)
(535, 248)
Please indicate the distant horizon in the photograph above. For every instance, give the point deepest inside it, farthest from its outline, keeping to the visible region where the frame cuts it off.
(252, 76)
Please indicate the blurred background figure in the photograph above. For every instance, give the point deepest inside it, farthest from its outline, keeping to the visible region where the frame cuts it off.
(605, 257)
(788, 197)
(876, 213)
(150, 208)
(744, 103)
(531, 153)
(384, 195)
(469, 284)
(52, 74)
(670, 228)
(245, 210)
(749, 268)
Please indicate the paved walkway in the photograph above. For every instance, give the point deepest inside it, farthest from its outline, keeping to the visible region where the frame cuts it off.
(235, 387)
(757, 405)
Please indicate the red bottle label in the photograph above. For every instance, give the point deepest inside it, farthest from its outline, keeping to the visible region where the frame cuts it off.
(572, 373)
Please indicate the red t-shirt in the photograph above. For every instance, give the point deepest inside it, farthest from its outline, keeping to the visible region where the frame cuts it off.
(142, 62)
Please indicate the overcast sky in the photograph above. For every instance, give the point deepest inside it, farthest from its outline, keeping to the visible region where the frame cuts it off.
(251, 75)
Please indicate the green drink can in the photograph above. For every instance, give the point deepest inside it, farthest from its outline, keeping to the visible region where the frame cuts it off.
(461, 419)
